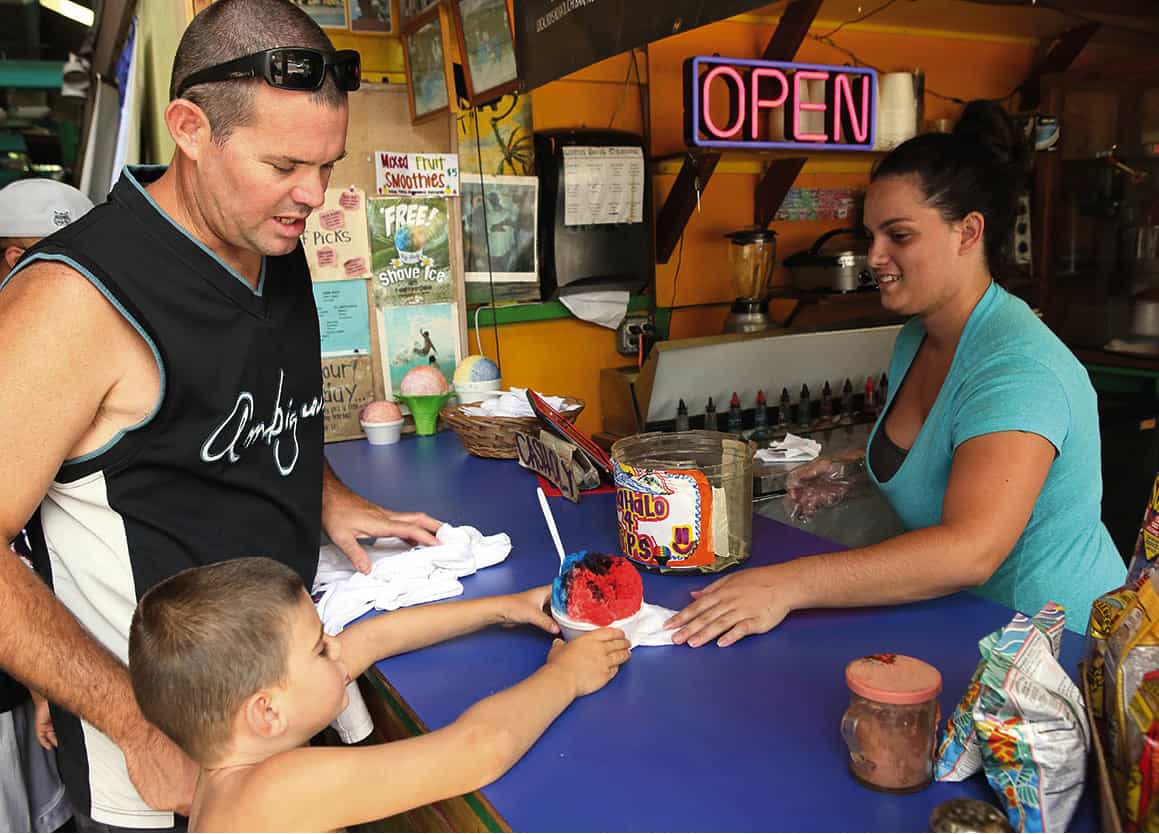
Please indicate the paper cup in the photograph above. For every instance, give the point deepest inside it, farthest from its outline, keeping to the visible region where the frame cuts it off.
(473, 392)
(382, 434)
(571, 629)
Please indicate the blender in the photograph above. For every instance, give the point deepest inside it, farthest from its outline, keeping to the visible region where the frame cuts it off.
(752, 254)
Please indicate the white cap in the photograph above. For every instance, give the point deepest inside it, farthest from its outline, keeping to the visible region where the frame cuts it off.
(39, 207)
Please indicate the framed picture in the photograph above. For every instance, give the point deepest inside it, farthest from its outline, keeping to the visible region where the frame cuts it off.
(370, 16)
(408, 10)
(329, 14)
(487, 48)
(423, 49)
(499, 231)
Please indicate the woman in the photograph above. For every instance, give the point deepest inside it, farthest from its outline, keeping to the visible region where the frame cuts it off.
(988, 448)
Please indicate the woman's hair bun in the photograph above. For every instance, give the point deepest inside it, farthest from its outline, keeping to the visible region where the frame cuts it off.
(984, 125)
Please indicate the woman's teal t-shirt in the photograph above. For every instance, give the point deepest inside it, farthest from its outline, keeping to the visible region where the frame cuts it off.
(1011, 373)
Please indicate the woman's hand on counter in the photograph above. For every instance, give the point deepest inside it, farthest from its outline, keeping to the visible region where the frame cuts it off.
(748, 602)
(529, 607)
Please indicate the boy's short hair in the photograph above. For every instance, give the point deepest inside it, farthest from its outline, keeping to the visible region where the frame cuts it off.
(204, 640)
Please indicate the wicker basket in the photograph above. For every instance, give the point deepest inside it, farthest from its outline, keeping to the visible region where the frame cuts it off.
(494, 437)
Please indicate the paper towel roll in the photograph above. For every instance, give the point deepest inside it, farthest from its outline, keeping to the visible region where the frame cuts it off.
(897, 108)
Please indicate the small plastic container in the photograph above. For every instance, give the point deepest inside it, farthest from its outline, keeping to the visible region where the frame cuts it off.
(891, 725)
(383, 434)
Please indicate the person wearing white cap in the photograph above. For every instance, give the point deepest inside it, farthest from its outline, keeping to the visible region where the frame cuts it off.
(34, 209)
(32, 797)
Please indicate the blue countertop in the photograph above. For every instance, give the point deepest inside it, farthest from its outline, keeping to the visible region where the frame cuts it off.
(739, 739)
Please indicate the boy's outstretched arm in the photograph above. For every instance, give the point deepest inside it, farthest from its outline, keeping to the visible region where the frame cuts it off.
(322, 788)
(424, 625)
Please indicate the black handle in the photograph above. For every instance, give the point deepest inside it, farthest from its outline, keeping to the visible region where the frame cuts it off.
(825, 238)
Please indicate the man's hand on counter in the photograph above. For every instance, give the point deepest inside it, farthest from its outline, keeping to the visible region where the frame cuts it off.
(347, 517)
(736, 606)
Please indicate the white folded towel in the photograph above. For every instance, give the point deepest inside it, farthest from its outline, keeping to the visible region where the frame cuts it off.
(791, 448)
(401, 575)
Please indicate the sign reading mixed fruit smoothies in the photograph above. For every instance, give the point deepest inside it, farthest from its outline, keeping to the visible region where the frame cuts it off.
(416, 174)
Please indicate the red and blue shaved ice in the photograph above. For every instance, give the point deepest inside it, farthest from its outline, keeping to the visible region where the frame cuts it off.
(597, 588)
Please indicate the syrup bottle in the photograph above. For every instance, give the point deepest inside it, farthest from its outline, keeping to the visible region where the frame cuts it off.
(682, 417)
(735, 420)
(710, 423)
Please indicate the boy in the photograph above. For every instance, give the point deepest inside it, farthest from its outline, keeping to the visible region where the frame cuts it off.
(230, 661)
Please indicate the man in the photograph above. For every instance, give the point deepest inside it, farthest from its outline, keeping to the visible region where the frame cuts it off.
(161, 404)
(32, 797)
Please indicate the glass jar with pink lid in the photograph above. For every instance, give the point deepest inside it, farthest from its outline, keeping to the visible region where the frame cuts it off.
(892, 721)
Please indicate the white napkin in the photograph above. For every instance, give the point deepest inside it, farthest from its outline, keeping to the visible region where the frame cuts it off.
(511, 403)
(400, 576)
(647, 627)
(791, 448)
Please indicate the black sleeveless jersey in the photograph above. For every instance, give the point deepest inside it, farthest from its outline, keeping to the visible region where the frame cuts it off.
(228, 464)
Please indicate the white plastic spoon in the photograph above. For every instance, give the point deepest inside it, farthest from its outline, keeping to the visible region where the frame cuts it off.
(550, 519)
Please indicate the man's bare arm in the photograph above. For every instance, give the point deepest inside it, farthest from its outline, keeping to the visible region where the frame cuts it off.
(63, 347)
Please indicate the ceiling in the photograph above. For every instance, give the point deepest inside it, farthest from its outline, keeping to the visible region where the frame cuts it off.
(1129, 22)
(30, 32)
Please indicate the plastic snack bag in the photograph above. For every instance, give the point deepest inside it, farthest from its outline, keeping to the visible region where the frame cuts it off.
(959, 756)
(1147, 542)
(1141, 803)
(1032, 726)
(824, 482)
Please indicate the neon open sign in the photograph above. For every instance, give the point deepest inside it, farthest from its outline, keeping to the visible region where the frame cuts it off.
(759, 91)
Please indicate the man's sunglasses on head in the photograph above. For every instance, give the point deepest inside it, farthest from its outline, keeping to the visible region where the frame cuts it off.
(286, 67)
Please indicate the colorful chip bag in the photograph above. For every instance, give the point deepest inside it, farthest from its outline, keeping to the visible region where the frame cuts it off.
(1141, 808)
(959, 756)
(1032, 728)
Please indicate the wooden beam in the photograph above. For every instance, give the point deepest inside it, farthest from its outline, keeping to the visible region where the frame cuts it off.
(1060, 56)
(682, 200)
(774, 185)
(1147, 9)
(791, 30)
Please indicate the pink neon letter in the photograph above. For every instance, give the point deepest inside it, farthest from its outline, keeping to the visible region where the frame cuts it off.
(844, 92)
(706, 110)
(758, 102)
(798, 77)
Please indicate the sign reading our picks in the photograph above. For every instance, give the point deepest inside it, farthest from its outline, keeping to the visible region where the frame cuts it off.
(335, 237)
(416, 174)
(409, 251)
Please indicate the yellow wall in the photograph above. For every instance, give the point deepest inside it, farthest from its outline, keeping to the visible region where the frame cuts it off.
(565, 357)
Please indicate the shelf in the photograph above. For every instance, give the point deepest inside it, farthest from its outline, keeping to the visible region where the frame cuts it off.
(755, 162)
(31, 75)
(522, 313)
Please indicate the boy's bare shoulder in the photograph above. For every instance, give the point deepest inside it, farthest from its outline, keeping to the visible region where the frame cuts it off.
(277, 794)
